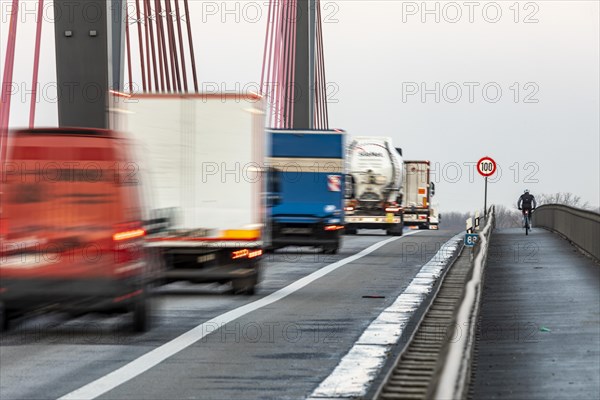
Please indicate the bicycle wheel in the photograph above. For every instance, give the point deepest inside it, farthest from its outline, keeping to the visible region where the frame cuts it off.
(527, 226)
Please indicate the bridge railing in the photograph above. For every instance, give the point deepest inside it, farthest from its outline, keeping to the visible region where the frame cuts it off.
(580, 227)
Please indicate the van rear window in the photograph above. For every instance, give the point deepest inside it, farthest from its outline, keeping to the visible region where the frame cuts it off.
(27, 193)
(62, 202)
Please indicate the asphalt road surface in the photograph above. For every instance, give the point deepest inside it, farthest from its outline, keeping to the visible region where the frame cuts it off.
(282, 350)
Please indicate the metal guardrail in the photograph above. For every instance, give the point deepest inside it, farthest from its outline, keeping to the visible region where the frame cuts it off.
(580, 227)
(434, 366)
(413, 370)
(455, 367)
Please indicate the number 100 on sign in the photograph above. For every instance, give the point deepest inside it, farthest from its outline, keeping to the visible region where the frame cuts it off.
(486, 166)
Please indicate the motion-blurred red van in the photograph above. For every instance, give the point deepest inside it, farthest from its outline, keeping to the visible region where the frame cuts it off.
(71, 226)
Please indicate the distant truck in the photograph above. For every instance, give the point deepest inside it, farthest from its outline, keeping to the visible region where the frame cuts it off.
(418, 191)
(434, 218)
(374, 192)
(308, 170)
(201, 161)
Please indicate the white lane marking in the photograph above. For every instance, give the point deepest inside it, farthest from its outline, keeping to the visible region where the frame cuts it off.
(154, 357)
(355, 371)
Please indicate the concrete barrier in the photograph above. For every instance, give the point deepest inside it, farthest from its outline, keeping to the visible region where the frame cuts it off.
(581, 227)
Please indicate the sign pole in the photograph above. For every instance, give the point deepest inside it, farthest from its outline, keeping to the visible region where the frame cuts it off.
(485, 200)
(486, 166)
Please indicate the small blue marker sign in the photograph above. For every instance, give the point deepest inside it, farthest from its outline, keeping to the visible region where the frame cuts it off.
(471, 239)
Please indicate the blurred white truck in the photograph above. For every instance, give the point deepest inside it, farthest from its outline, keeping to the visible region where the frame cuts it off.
(199, 163)
(374, 185)
(418, 191)
(434, 218)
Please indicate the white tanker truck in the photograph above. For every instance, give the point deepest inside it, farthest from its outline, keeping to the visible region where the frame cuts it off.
(374, 185)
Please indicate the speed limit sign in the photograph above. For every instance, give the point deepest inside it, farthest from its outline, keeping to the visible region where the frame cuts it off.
(486, 166)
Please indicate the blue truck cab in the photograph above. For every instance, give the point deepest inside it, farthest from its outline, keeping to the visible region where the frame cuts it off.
(308, 168)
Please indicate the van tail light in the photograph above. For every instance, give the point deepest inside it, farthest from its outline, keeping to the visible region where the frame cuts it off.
(334, 227)
(129, 235)
(128, 244)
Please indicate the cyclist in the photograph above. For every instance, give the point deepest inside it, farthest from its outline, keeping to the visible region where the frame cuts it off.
(526, 203)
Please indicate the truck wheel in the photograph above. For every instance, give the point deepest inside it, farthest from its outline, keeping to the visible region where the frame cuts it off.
(141, 313)
(250, 290)
(244, 286)
(3, 318)
(331, 250)
(247, 285)
(396, 230)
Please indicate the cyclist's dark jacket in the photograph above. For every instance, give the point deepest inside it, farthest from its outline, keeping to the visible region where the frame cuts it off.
(526, 201)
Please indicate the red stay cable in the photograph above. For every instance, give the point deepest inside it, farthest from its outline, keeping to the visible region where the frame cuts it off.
(9, 63)
(36, 63)
(148, 10)
(128, 40)
(191, 43)
(139, 21)
(163, 49)
(181, 51)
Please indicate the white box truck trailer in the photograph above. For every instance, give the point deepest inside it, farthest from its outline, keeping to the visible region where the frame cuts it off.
(200, 162)
(374, 185)
(434, 218)
(418, 191)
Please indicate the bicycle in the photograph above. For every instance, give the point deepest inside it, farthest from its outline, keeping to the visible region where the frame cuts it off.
(527, 219)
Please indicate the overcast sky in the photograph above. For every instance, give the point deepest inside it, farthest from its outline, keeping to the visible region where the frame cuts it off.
(517, 83)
